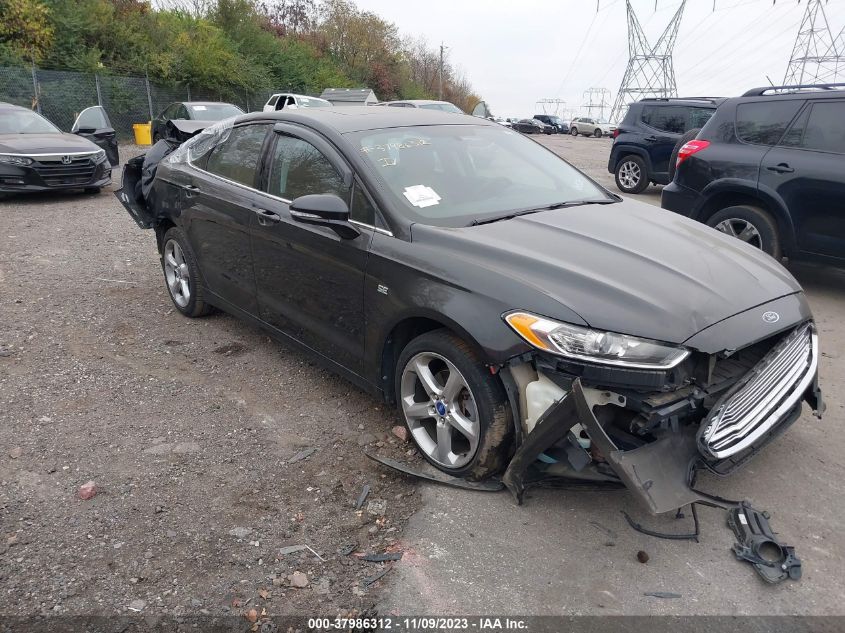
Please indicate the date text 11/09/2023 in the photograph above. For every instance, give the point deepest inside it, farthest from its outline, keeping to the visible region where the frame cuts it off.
(418, 623)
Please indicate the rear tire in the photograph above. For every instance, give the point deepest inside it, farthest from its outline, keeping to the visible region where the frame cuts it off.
(752, 225)
(686, 138)
(471, 398)
(631, 174)
(182, 275)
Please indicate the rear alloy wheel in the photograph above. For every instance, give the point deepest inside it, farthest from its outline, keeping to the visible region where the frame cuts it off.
(597, 133)
(631, 175)
(457, 412)
(182, 275)
(751, 225)
(573, 131)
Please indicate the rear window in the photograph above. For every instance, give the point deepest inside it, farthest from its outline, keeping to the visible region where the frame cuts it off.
(826, 127)
(672, 119)
(764, 122)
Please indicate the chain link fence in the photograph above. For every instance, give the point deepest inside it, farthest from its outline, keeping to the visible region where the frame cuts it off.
(61, 95)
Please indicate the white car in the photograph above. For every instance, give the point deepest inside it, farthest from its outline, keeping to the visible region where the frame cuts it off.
(284, 100)
(590, 127)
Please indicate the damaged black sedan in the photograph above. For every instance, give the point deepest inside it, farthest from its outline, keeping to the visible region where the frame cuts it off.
(524, 319)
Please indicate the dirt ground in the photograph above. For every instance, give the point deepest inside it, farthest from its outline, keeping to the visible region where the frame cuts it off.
(211, 447)
(215, 451)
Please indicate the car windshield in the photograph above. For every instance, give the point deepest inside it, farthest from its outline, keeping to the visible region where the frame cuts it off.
(213, 111)
(454, 175)
(25, 122)
(445, 107)
(308, 102)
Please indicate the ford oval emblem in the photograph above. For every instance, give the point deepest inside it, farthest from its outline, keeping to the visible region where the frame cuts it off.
(771, 317)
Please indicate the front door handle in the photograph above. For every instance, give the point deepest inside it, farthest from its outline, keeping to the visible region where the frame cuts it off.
(191, 190)
(267, 218)
(781, 168)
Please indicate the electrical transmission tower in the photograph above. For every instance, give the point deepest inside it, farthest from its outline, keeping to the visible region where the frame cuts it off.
(650, 72)
(597, 102)
(550, 104)
(816, 57)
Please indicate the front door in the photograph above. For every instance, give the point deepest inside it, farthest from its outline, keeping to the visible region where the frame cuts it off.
(807, 170)
(310, 280)
(218, 210)
(93, 123)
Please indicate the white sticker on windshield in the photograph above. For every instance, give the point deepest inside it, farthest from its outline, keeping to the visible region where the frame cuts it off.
(200, 107)
(421, 196)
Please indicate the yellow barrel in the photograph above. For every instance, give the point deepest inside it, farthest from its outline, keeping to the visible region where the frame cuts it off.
(143, 133)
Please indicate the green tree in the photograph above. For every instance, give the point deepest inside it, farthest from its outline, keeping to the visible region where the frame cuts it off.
(25, 30)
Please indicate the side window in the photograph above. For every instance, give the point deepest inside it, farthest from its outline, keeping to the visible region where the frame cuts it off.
(699, 116)
(764, 122)
(168, 111)
(273, 100)
(672, 119)
(181, 112)
(826, 127)
(361, 209)
(300, 169)
(795, 135)
(237, 157)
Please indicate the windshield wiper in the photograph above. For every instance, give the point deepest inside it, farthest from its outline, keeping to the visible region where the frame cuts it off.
(548, 207)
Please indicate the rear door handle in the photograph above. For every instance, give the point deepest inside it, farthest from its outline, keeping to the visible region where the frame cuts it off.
(781, 168)
(650, 139)
(267, 218)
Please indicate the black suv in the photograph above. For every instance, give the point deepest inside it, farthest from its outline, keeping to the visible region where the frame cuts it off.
(645, 143)
(555, 121)
(769, 168)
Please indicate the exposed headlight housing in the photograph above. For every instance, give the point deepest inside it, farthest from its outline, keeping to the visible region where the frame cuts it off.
(594, 346)
(9, 159)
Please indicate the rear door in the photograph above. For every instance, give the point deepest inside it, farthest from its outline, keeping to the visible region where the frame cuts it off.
(807, 170)
(666, 124)
(93, 123)
(218, 210)
(310, 280)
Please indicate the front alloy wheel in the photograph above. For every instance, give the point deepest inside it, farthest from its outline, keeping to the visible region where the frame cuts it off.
(742, 230)
(440, 410)
(457, 411)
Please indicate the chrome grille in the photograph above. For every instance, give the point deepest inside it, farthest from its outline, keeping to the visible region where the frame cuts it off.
(54, 173)
(770, 391)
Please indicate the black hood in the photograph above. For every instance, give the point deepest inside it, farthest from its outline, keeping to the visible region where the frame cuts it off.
(45, 144)
(627, 267)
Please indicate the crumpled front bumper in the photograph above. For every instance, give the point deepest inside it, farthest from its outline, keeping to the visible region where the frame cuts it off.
(659, 474)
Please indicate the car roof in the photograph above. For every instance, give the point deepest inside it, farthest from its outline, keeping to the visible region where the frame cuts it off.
(206, 103)
(418, 102)
(690, 101)
(359, 118)
(12, 106)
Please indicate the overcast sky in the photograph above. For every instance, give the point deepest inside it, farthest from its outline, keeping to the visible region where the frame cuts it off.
(516, 52)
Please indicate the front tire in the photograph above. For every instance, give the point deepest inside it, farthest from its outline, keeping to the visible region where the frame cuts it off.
(573, 131)
(182, 275)
(750, 224)
(597, 133)
(456, 411)
(631, 174)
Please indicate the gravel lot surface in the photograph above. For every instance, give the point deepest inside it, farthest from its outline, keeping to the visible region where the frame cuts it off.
(213, 449)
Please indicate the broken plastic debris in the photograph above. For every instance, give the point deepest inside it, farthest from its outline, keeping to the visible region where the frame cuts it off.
(662, 594)
(87, 490)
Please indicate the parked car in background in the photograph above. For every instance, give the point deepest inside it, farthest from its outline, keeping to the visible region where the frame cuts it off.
(647, 333)
(35, 155)
(203, 112)
(648, 138)
(425, 104)
(769, 169)
(549, 119)
(282, 100)
(586, 126)
(532, 126)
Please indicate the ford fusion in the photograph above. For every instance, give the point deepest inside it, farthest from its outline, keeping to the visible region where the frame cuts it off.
(35, 155)
(521, 317)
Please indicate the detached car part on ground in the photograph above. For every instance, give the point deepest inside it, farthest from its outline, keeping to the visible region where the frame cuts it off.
(35, 155)
(522, 318)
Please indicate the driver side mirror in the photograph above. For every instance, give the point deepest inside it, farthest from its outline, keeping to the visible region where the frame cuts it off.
(324, 209)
